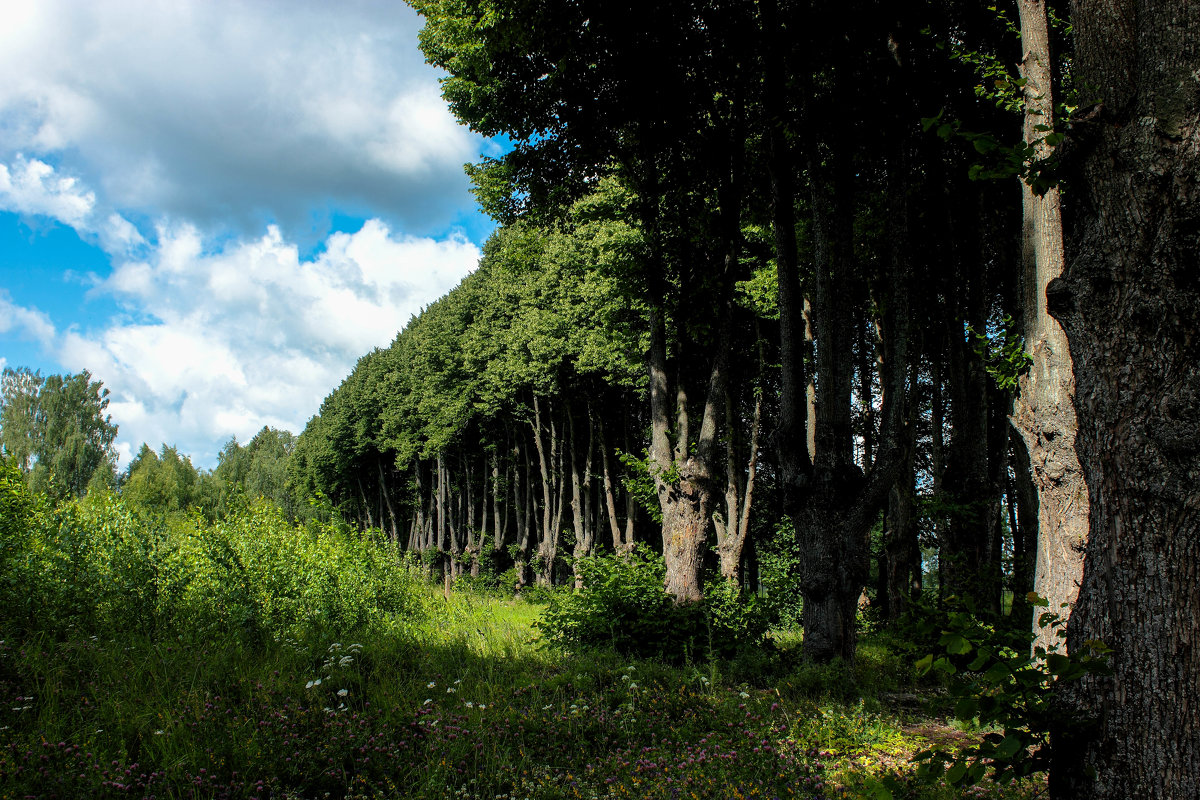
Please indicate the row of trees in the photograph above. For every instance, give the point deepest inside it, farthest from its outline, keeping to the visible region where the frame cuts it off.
(753, 283)
(811, 301)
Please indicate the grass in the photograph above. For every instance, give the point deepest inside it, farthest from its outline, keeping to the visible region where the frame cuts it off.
(470, 706)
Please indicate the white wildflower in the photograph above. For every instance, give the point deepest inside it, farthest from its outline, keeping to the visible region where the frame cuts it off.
(343, 692)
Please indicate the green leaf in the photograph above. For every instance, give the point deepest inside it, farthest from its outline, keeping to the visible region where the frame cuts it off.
(957, 645)
(966, 709)
(997, 672)
(956, 772)
(1009, 747)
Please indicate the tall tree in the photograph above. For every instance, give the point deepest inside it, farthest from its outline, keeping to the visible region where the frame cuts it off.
(57, 427)
(1129, 301)
(1044, 411)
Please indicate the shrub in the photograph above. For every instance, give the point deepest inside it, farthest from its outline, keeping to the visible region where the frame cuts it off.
(20, 519)
(93, 566)
(779, 559)
(623, 605)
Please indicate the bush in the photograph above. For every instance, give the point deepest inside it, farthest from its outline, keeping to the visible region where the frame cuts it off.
(779, 559)
(20, 518)
(94, 566)
(623, 606)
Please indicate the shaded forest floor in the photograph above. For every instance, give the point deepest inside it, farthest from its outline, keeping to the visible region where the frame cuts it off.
(475, 708)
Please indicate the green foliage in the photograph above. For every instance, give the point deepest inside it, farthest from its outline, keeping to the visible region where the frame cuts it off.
(93, 565)
(623, 606)
(164, 483)
(21, 512)
(56, 429)
(779, 558)
(1003, 352)
(997, 683)
(639, 482)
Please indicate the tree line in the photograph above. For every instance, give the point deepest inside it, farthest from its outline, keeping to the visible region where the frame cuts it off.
(877, 264)
(56, 430)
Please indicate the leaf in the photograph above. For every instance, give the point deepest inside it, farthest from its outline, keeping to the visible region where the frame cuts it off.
(1035, 599)
(924, 664)
(957, 645)
(956, 772)
(877, 789)
(1009, 747)
(966, 709)
(997, 672)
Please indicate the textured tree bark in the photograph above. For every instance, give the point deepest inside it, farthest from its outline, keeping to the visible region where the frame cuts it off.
(1044, 411)
(1129, 301)
(683, 475)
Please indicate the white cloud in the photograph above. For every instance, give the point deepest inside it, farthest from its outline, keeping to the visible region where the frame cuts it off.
(218, 111)
(249, 334)
(28, 323)
(31, 187)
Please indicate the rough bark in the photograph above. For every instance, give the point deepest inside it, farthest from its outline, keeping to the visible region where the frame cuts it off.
(1129, 301)
(1044, 412)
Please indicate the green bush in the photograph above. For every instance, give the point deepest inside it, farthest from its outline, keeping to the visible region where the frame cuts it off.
(93, 565)
(21, 513)
(623, 606)
(779, 559)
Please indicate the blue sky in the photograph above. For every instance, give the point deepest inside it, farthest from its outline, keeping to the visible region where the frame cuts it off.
(216, 207)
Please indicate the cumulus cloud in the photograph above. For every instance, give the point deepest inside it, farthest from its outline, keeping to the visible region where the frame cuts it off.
(27, 323)
(231, 338)
(31, 187)
(219, 111)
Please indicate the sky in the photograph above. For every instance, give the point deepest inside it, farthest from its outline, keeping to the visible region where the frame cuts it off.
(217, 207)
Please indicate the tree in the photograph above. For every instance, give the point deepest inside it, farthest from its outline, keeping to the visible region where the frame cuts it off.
(56, 429)
(1129, 301)
(568, 82)
(1044, 412)
(164, 483)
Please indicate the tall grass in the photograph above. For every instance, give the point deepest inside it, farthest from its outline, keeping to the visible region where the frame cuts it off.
(254, 659)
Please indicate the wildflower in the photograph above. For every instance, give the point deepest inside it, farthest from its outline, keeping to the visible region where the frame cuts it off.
(547, 708)
(158, 733)
(427, 702)
(469, 704)
(450, 690)
(343, 692)
(431, 684)
(743, 695)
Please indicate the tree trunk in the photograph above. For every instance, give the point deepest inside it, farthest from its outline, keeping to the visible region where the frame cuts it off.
(1043, 412)
(682, 478)
(1129, 301)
